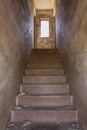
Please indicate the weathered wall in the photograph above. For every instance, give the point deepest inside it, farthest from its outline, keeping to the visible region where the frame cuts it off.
(16, 30)
(44, 42)
(72, 43)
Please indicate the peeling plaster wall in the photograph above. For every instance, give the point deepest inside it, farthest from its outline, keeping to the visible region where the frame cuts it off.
(44, 42)
(71, 39)
(16, 37)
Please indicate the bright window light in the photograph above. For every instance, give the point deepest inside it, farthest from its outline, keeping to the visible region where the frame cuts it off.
(44, 28)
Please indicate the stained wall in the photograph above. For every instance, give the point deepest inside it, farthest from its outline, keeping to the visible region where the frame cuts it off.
(16, 41)
(71, 39)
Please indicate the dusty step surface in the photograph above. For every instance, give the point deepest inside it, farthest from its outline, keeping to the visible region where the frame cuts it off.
(45, 116)
(26, 125)
(44, 60)
(44, 57)
(45, 50)
(45, 89)
(51, 57)
(44, 66)
(48, 54)
(44, 100)
(44, 72)
(44, 79)
(54, 108)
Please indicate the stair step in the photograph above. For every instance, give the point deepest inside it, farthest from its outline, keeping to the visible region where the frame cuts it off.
(25, 107)
(42, 60)
(26, 125)
(44, 100)
(44, 79)
(44, 72)
(45, 89)
(44, 50)
(44, 66)
(45, 116)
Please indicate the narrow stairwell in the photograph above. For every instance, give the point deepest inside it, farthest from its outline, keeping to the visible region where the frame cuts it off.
(44, 102)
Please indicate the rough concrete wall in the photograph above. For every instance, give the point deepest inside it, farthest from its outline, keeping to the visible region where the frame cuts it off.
(44, 42)
(72, 43)
(15, 44)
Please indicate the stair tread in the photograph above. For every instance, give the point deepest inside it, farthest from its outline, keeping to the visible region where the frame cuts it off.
(44, 115)
(41, 96)
(43, 126)
(53, 108)
(45, 89)
(49, 85)
(44, 72)
(44, 79)
(44, 100)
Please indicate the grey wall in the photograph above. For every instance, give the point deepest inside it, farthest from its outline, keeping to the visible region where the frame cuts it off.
(16, 37)
(72, 43)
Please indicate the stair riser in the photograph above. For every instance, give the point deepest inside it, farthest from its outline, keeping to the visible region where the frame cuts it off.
(38, 61)
(44, 116)
(45, 89)
(44, 79)
(44, 72)
(39, 66)
(44, 100)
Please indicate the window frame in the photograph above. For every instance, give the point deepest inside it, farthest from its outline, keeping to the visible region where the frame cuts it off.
(45, 19)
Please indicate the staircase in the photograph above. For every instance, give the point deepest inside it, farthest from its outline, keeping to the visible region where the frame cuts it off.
(44, 101)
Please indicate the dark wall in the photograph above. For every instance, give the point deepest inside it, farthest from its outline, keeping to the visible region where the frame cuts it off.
(71, 39)
(16, 37)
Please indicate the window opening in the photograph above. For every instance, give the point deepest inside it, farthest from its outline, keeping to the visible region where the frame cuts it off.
(44, 28)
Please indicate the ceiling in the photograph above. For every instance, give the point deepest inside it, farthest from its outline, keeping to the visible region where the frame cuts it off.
(43, 5)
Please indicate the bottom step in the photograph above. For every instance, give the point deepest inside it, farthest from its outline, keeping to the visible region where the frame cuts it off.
(44, 116)
(26, 125)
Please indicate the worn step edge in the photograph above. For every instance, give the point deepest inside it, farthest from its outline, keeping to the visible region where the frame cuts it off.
(44, 65)
(44, 79)
(45, 89)
(44, 72)
(25, 107)
(40, 126)
(44, 100)
(44, 116)
(49, 66)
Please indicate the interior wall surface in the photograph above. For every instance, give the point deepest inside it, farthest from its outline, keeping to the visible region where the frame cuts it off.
(71, 31)
(42, 42)
(16, 37)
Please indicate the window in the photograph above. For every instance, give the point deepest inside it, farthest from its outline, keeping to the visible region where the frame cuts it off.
(44, 28)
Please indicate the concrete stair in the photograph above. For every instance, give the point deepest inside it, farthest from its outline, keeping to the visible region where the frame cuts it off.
(46, 116)
(44, 94)
(44, 100)
(45, 72)
(43, 66)
(44, 79)
(45, 89)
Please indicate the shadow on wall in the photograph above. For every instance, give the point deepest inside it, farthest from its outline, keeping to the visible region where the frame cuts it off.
(72, 42)
(15, 46)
